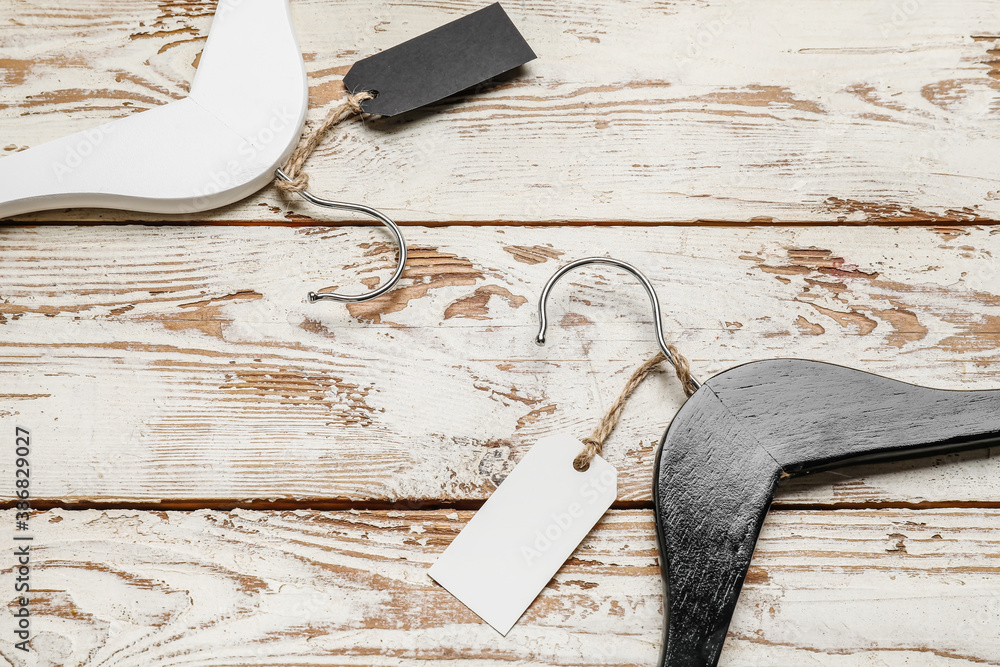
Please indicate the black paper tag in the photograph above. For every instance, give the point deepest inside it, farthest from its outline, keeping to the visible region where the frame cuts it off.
(442, 62)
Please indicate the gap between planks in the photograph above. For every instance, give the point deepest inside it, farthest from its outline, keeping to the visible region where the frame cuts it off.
(473, 505)
(916, 222)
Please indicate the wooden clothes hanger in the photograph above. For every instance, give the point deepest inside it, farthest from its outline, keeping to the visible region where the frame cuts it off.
(221, 143)
(742, 432)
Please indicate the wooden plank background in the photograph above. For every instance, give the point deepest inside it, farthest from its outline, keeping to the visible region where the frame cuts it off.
(782, 111)
(350, 588)
(244, 385)
(229, 475)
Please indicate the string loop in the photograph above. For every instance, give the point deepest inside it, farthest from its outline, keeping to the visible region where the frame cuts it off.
(298, 180)
(593, 445)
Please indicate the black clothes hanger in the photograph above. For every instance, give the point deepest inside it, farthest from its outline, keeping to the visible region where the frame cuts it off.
(744, 430)
(725, 451)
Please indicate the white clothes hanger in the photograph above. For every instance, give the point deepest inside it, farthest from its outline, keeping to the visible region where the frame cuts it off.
(223, 142)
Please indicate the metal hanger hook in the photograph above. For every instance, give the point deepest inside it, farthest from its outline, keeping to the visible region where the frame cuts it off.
(366, 210)
(543, 322)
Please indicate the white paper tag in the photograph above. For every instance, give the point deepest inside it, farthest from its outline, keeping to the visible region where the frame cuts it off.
(527, 529)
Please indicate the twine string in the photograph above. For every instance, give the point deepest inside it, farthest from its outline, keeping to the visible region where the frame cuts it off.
(298, 179)
(593, 445)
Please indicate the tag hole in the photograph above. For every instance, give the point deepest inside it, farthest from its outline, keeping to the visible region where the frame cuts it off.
(584, 468)
(374, 94)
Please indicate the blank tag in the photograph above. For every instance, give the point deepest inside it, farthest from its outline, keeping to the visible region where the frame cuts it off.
(527, 529)
(442, 62)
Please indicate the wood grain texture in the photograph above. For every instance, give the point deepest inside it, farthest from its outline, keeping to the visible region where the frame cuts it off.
(890, 587)
(639, 112)
(189, 358)
(180, 366)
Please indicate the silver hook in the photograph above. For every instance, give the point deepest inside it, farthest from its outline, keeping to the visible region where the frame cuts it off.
(543, 321)
(366, 210)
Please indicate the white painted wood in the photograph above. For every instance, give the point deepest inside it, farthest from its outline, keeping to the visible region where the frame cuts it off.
(183, 364)
(896, 587)
(182, 367)
(784, 110)
(219, 144)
